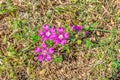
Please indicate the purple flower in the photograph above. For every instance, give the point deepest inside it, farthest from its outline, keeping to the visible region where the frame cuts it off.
(86, 32)
(42, 57)
(48, 58)
(47, 33)
(37, 49)
(77, 28)
(44, 53)
(61, 36)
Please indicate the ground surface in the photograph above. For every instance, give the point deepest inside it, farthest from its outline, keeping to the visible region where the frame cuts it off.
(21, 19)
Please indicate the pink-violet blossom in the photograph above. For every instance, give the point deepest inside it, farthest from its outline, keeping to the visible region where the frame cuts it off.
(44, 53)
(47, 33)
(61, 36)
(77, 28)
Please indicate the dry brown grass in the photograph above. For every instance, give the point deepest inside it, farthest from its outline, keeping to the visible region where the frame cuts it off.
(81, 64)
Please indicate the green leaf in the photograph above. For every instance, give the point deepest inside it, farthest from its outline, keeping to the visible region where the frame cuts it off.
(73, 39)
(35, 38)
(65, 26)
(57, 59)
(66, 48)
(8, 1)
(5, 40)
(73, 1)
(58, 9)
(79, 42)
(89, 44)
(94, 24)
(115, 64)
(11, 54)
(49, 13)
(49, 43)
(11, 51)
(72, 36)
(20, 23)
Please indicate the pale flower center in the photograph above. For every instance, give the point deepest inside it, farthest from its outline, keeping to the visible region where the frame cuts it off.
(60, 36)
(44, 52)
(48, 33)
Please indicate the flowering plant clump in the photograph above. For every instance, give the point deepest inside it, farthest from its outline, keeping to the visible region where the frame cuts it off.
(57, 36)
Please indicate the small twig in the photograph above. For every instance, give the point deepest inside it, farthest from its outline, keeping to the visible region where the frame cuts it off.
(13, 32)
(105, 10)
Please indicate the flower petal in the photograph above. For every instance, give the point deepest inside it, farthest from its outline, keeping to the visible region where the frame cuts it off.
(40, 33)
(50, 50)
(77, 28)
(44, 38)
(56, 41)
(66, 35)
(48, 58)
(53, 36)
(86, 32)
(44, 45)
(60, 30)
(52, 29)
(46, 27)
(63, 42)
(37, 50)
(40, 57)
